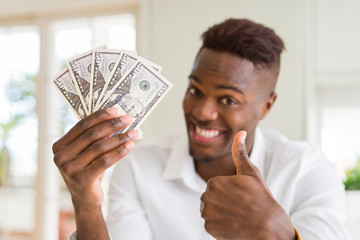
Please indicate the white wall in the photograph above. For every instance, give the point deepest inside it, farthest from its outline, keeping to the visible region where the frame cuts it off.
(33, 8)
(174, 29)
(169, 34)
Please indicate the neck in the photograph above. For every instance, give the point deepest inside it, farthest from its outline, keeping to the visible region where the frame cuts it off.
(221, 166)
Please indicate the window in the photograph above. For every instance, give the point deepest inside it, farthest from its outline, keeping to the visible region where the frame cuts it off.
(19, 65)
(73, 37)
(334, 81)
(27, 129)
(339, 119)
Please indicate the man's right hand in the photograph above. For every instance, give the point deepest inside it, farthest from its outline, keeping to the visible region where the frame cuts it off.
(86, 151)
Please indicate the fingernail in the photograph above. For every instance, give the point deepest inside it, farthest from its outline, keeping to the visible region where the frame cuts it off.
(130, 145)
(125, 118)
(243, 137)
(112, 110)
(133, 134)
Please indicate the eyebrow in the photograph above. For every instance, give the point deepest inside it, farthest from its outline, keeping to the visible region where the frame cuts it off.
(198, 80)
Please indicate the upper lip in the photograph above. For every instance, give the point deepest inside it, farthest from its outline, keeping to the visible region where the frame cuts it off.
(205, 126)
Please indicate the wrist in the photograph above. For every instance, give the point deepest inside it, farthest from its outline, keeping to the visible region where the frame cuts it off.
(84, 207)
(90, 224)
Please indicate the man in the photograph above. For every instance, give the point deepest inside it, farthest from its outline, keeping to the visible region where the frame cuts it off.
(247, 183)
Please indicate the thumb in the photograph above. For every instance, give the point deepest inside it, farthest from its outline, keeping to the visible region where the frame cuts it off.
(240, 155)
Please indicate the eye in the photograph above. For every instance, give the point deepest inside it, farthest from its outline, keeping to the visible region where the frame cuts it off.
(228, 101)
(194, 91)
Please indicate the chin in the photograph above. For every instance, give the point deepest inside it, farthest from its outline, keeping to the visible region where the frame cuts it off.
(201, 158)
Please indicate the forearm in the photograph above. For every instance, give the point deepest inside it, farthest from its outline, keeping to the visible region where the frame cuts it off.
(90, 225)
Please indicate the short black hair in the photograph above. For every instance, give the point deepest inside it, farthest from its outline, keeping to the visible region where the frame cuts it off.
(245, 39)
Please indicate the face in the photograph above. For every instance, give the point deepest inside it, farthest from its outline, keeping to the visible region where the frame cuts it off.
(131, 106)
(225, 94)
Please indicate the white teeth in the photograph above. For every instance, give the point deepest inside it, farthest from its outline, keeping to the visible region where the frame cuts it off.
(206, 133)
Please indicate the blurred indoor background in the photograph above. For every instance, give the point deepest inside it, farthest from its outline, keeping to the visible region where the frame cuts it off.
(318, 89)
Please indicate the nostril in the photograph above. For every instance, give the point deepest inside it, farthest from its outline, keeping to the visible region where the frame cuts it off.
(206, 111)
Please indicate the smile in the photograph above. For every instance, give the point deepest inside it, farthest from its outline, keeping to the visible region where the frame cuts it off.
(204, 136)
(206, 133)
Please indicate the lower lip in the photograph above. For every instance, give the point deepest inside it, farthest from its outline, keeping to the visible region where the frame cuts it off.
(202, 140)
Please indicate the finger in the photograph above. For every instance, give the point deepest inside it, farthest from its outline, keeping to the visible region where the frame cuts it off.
(84, 124)
(98, 166)
(102, 146)
(93, 134)
(240, 155)
(89, 137)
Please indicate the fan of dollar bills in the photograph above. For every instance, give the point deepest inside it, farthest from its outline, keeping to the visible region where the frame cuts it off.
(102, 78)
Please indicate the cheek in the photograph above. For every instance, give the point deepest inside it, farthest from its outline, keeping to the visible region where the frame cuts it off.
(244, 119)
(237, 120)
(186, 104)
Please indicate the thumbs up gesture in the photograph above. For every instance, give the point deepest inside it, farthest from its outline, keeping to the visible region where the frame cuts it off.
(241, 206)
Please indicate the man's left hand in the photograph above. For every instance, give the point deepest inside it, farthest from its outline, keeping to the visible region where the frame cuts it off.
(242, 207)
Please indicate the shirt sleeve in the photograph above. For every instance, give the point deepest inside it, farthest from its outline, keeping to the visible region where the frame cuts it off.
(319, 200)
(127, 218)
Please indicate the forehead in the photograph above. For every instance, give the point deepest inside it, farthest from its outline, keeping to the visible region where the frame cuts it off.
(211, 65)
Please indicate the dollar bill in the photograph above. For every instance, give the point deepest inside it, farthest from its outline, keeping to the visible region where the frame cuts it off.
(158, 68)
(103, 62)
(138, 93)
(64, 83)
(123, 64)
(80, 71)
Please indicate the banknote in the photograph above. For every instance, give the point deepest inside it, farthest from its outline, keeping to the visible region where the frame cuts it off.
(103, 62)
(138, 93)
(103, 78)
(64, 83)
(80, 71)
(158, 68)
(123, 65)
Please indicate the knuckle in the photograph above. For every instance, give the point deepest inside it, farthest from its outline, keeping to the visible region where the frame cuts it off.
(243, 152)
(102, 113)
(55, 147)
(115, 123)
(58, 159)
(212, 183)
(203, 197)
(98, 146)
(105, 161)
(83, 124)
(67, 169)
(208, 226)
(203, 213)
(122, 138)
(122, 151)
(91, 133)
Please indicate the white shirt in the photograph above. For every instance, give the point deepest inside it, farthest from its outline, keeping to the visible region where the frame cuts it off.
(155, 191)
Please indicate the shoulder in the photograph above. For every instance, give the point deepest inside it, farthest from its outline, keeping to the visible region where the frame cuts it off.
(297, 162)
(292, 152)
(299, 167)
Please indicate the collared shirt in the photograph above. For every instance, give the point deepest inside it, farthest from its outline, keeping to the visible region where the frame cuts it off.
(155, 191)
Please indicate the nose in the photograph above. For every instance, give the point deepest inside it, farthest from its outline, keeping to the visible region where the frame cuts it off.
(206, 110)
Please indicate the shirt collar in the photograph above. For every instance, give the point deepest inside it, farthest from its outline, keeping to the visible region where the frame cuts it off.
(179, 155)
(257, 156)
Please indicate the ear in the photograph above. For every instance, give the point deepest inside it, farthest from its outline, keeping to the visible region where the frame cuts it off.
(267, 105)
